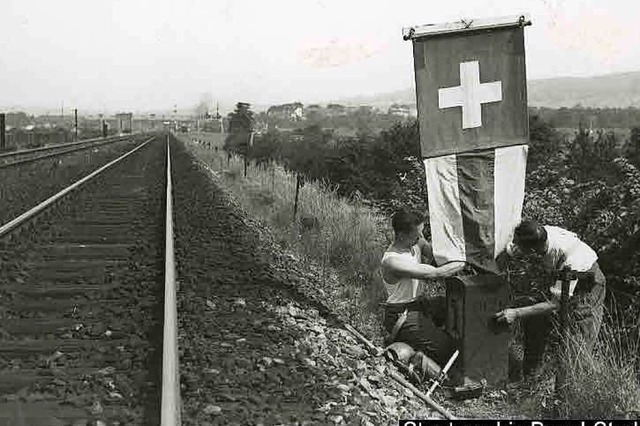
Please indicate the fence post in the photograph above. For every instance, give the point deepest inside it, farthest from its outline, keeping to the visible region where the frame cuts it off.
(273, 176)
(295, 204)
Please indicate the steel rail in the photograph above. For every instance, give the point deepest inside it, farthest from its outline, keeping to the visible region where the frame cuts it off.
(8, 227)
(86, 145)
(170, 411)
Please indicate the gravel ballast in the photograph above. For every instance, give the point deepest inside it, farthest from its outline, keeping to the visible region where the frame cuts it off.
(257, 345)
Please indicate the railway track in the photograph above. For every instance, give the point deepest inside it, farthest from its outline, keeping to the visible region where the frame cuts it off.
(15, 158)
(89, 322)
(81, 301)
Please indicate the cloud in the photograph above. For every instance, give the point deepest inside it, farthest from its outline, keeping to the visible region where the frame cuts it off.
(337, 53)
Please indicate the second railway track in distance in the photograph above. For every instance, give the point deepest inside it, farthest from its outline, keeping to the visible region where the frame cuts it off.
(81, 302)
(15, 158)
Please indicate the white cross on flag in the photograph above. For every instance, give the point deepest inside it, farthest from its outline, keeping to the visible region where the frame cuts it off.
(472, 112)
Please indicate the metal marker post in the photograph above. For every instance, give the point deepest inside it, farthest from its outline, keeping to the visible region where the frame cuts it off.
(561, 374)
(75, 113)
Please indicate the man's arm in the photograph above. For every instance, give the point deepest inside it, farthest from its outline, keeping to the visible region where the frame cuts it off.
(542, 308)
(407, 268)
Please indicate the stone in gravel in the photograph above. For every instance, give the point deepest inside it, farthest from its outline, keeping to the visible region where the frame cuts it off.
(336, 419)
(267, 361)
(107, 370)
(278, 361)
(226, 345)
(317, 329)
(309, 362)
(374, 379)
(100, 423)
(211, 371)
(55, 356)
(81, 422)
(211, 305)
(240, 303)
(212, 410)
(389, 400)
(96, 408)
(227, 397)
(241, 340)
(254, 399)
(115, 395)
(344, 388)
(355, 351)
(108, 333)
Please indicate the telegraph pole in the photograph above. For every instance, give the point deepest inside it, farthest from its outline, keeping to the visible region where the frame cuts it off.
(3, 141)
(75, 113)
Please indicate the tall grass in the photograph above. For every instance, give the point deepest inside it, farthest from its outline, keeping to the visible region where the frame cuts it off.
(599, 383)
(604, 382)
(346, 240)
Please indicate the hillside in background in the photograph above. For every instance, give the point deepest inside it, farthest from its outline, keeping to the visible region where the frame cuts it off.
(611, 90)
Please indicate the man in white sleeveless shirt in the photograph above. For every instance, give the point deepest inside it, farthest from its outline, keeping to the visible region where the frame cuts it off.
(402, 268)
(559, 249)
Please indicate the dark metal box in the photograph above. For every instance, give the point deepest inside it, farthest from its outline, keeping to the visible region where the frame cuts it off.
(472, 301)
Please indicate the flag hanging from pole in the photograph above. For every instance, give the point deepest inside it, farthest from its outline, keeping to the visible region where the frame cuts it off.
(472, 112)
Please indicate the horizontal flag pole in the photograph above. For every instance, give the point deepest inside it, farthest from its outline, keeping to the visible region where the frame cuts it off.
(465, 25)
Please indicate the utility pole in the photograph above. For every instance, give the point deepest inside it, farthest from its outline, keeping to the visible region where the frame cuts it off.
(3, 141)
(219, 118)
(75, 113)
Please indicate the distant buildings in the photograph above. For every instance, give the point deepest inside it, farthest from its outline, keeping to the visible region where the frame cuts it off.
(293, 111)
(124, 122)
(403, 110)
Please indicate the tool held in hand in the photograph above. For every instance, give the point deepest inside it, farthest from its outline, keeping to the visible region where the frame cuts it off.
(443, 373)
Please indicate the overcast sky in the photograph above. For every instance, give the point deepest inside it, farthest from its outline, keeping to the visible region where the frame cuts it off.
(151, 54)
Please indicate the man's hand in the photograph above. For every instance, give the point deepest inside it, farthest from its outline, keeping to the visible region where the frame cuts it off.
(507, 315)
(450, 268)
(502, 260)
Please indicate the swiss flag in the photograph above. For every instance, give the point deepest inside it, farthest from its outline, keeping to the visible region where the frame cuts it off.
(472, 112)
(484, 72)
